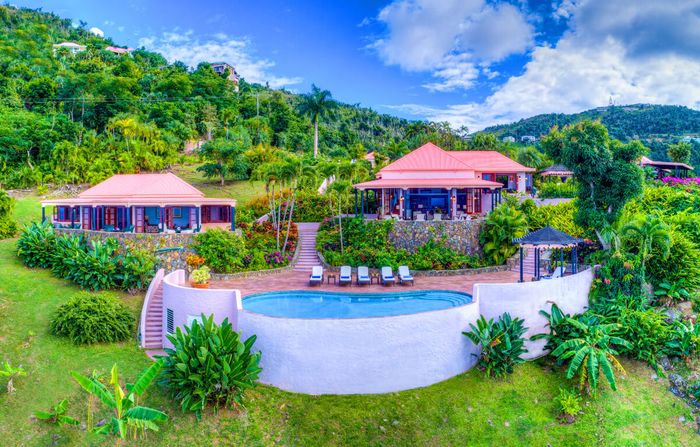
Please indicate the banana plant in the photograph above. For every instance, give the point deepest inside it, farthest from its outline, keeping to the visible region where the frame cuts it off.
(57, 415)
(128, 416)
(11, 373)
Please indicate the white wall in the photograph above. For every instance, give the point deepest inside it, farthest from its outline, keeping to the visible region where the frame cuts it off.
(362, 355)
(525, 300)
(187, 301)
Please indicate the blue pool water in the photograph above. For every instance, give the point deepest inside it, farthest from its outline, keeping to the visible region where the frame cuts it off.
(320, 304)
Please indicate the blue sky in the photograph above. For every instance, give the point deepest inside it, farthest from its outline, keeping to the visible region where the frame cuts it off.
(469, 62)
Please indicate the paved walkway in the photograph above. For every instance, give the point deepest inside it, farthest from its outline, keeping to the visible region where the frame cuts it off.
(297, 280)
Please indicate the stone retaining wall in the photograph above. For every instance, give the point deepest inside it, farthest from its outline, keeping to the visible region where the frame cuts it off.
(169, 260)
(460, 235)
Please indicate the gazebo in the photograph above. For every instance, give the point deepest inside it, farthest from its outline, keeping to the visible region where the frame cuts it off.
(548, 238)
(559, 170)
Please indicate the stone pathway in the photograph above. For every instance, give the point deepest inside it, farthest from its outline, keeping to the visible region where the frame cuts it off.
(308, 257)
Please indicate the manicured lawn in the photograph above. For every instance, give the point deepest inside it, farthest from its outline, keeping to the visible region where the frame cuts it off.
(466, 410)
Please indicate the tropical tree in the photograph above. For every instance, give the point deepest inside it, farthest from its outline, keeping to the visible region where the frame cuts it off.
(648, 232)
(128, 416)
(606, 171)
(591, 353)
(680, 152)
(225, 157)
(57, 415)
(502, 225)
(501, 342)
(316, 105)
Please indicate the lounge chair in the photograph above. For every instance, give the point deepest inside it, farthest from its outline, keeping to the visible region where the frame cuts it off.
(388, 276)
(345, 277)
(108, 228)
(128, 229)
(558, 273)
(363, 276)
(420, 217)
(316, 277)
(405, 275)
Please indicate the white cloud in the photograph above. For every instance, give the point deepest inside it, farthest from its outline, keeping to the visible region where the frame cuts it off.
(182, 46)
(592, 62)
(450, 37)
(96, 31)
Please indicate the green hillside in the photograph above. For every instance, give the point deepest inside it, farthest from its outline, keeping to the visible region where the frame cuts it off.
(81, 117)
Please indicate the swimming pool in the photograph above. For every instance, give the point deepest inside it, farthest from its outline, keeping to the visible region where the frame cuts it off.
(322, 304)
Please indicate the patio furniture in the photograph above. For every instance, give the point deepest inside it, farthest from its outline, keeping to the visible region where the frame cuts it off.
(405, 275)
(558, 273)
(345, 275)
(388, 276)
(374, 278)
(420, 217)
(329, 277)
(363, 276)
(316, 277)
(129, 229)
(108, 228)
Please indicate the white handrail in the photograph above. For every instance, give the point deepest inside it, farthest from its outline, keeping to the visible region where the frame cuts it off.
(155, 283)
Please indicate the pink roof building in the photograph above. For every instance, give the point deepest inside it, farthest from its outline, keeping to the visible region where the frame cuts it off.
(142, 203)
(430, 181)
(117, 50)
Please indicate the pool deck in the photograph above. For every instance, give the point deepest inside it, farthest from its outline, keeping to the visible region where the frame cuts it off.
(300, 281)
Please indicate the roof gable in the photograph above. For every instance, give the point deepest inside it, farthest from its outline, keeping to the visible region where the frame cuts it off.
(428, 157)
(142, 185)
(490, 161)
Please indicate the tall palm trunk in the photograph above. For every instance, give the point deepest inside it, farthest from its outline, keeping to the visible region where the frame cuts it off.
(316, 137)
(289, 222)
(340, 225)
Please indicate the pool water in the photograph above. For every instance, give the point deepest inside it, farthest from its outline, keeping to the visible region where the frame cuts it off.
(321, 304)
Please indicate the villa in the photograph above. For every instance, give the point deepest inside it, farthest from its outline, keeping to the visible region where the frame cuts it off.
(142, 203)
(433, 183)
(667, 168)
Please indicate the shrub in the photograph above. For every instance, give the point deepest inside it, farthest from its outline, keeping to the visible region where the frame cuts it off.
(682, 264)
(95, 268)
(88, 318)
(209, 365)
(553, 190)
(8, 227)
(501, 226)
(135, 269)
(648, 334)
(559, 216)
(35, 245)
(66, 249)
(569, 403)
(684, 339)
(502, 343)
(222, 249)
(619, 277)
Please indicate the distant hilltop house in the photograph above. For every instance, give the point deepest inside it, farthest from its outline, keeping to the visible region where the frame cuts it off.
(370, 158)
(508, 139)
(70, 46)
(117, 50)
(528, 139)
(221, 67)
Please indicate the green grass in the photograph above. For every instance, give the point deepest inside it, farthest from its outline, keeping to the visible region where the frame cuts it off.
(466, 410)
(241, 190)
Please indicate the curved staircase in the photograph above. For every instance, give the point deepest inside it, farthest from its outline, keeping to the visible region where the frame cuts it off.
(308, 257)
(151, 326)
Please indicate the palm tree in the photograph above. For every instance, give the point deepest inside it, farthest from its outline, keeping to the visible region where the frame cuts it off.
(650, 231)
(299, 172)
(591, 354)
(316, 105)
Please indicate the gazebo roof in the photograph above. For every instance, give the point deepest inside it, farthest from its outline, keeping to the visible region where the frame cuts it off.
(547, 236)
(557, 170)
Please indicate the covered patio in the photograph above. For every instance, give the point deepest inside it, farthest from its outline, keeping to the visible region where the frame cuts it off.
(141, 203)
(554, 243)
(423, 200)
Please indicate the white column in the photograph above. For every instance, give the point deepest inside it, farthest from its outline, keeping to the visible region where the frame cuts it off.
(521, 181)
(383, 208)
(401, 204)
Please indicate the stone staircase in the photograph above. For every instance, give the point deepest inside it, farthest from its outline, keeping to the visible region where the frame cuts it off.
(151, 325)
(528, 265)
(308, 257)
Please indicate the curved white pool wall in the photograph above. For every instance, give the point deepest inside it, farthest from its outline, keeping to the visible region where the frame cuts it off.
(362, 355)
(187, 303)
(525, 300)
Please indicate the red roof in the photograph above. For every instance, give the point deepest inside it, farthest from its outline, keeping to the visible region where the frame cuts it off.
(490, 161)
(142, 185)
(429, 183)
(428, 157)
(142, 190)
